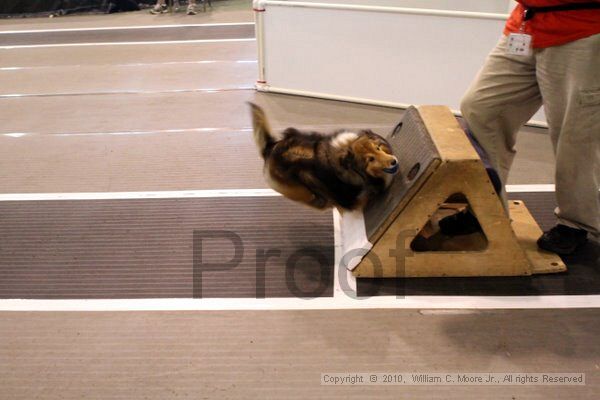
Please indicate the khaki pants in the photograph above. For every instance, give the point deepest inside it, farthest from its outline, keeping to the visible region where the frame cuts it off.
(566, 81)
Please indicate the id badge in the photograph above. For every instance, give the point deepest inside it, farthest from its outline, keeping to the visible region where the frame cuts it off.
(519, 44)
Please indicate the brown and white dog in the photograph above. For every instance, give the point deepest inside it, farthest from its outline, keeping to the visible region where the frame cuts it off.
(342, 170)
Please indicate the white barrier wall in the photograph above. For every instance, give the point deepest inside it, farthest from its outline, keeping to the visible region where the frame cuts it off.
(386, 53)
(488, 6)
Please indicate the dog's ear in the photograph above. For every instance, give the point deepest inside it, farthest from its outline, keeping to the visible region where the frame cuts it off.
(374, 136)
(370, 134)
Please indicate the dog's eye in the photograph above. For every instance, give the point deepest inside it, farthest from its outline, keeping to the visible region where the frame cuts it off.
(378, 148)
(371, 159)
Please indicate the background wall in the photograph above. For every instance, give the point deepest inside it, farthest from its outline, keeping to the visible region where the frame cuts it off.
(396, 58)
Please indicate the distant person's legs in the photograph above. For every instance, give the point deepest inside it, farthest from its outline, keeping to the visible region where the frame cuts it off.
(160, 7)
(191, 9)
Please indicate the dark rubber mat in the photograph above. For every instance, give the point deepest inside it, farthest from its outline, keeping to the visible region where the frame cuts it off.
(218, 247)
(168, 248)
(129, 35)
(583, 276)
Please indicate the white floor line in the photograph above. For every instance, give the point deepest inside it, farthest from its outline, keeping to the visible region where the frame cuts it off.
(529, 188)
(17, 135)
(113, 28)
(137, 132)
(323, 303)
(171, 194)
(175, 194)
(38, 67)
(198, 41)
(344, 283)
(9, 96)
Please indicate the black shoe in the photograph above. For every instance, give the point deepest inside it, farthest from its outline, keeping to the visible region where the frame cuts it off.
(463, 223)
(562, 239)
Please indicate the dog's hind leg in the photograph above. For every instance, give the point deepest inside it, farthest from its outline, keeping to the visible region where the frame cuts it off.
(295, 192)
(306, 196)
(321, 195)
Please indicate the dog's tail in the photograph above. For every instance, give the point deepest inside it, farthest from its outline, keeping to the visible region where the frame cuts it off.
(262, 132)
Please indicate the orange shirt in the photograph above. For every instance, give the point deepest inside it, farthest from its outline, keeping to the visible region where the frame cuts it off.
(555, 27)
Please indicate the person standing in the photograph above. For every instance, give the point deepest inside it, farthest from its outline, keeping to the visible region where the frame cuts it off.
(548, 56)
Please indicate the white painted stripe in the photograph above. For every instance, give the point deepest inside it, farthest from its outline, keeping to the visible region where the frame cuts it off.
(125, 133)
(20, 68)
(337, 254)
(198, 41)
(449, 312)
(124, 92)
(113, 28)
(354, 239)
(529, 188)
(327, 303)
(185, 194)
(139, 195)
(143, 132)
(344, 283)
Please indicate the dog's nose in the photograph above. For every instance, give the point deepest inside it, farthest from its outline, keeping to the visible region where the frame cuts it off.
(394, 162)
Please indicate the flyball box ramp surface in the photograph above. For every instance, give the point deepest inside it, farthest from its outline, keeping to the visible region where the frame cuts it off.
(440, 171)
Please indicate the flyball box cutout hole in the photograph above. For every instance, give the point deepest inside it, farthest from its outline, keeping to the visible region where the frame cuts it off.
(414, 171)
(397, 129)
(461, 229)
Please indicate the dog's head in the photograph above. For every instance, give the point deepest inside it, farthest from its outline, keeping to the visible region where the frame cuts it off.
(373, 154)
